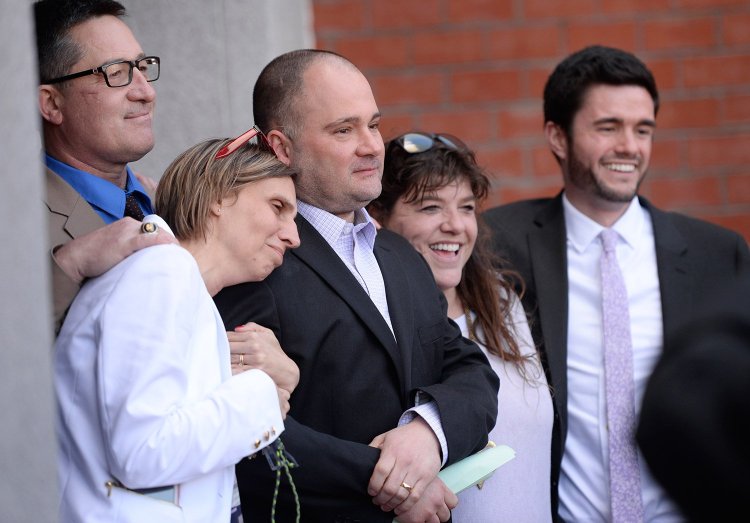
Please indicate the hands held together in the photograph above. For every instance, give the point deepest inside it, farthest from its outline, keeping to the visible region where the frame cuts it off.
(405, 478)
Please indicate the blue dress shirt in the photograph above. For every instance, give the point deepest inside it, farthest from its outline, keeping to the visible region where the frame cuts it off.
(106, 198)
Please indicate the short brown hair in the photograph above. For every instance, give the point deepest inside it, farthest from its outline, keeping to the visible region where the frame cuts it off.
(195, 180)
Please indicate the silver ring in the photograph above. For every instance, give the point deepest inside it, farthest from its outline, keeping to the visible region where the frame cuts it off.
(149, 228)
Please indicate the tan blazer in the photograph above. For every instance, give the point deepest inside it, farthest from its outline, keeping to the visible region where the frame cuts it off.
(70, 216)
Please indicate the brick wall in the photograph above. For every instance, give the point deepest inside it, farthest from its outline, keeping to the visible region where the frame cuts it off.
(476, 68)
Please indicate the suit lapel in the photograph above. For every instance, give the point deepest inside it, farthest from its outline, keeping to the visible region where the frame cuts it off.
(400, 308)
(62, 199)
(315, 252)
(548, 259)
(673, 267)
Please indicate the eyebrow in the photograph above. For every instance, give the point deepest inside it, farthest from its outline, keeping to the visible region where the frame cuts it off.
(350, 120)
(648, 121)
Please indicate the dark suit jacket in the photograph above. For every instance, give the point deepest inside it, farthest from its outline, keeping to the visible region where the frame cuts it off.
(695, 421)
(356, 379)
(692, 258)
(69, 217)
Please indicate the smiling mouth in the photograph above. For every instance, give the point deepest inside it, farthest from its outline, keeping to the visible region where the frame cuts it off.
(445, 249)
(620, 167)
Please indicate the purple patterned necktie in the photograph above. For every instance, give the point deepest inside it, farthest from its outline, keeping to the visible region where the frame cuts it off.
(624, 473)
(132, 208)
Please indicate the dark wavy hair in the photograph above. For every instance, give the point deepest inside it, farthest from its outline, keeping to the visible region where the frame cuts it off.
(483, 289)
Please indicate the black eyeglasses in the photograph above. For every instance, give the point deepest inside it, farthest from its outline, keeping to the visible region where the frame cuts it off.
(119, 73)
(414, 143)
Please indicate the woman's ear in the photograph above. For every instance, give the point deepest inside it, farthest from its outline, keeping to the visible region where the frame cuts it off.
(216, 208)
(281, 145)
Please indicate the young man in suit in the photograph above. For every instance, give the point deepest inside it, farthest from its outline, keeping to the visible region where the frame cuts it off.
(389, 390)
(96, 103)
(600, 108)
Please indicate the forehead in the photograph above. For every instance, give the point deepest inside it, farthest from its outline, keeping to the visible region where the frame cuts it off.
(333, 91)
(622, 102)
(103, 39)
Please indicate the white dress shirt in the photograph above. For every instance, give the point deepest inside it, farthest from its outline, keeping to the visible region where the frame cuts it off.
(344, 238)
(584, 479)
(146, 396)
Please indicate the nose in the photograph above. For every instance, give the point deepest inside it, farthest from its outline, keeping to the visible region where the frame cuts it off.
(289, 235)
(371, 143)
(140, 89)
(627, 143)
(452, 221)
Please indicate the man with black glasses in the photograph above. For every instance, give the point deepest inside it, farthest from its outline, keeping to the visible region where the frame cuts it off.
(97, 102)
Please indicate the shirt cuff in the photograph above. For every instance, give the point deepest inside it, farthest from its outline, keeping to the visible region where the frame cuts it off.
(428, 411)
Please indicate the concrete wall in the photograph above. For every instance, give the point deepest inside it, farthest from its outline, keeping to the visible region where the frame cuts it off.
(211, 53)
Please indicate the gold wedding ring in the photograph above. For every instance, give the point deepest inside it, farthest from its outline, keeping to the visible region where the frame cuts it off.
(406, 486)
(149, 228)
(242, 360)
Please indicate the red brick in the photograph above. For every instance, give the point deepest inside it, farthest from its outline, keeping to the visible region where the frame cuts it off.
(708, 3)
(394, 124)
(736, 29)
(614, 34)
(479, 10)
(559, 8)
(665, 73)
(524, 42)
(543, 163)
(719, 151)
(502, 163)
(634, 6)
(717, 71)
(339, 15)
(666, 155)
(520, 122)
(473, 127)
(397, 13)
(675, 114)
(377, 51)
(678, 192)
(738, 188)
(676, 33)
(546, 189)
(407, 88)
(446, 47)
(480, 86)
(737, 108)
(535, 80)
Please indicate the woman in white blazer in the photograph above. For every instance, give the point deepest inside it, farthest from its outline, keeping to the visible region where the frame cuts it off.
(152, 416)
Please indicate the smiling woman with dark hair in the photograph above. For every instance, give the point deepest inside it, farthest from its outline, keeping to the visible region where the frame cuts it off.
(432, 186)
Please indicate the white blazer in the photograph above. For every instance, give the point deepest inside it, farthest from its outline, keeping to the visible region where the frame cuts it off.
(146, 396)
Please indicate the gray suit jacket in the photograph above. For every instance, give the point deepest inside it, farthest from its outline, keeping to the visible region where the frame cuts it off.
(693, 257)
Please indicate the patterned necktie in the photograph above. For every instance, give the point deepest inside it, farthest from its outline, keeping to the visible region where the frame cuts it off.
(624, 473)
(132, 208)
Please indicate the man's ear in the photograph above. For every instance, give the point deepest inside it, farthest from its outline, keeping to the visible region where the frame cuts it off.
(281, 145)
(557, 139)
(50, 104)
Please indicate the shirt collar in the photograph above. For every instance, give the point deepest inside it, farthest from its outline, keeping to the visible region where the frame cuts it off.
(582, 230)
(331, 227)
(98, 192)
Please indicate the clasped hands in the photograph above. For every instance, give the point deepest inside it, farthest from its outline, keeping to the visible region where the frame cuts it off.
(405, 477)
(255, 347)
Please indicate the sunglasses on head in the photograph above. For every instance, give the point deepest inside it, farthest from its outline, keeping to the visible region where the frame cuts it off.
(242, 140)
(414, 143)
